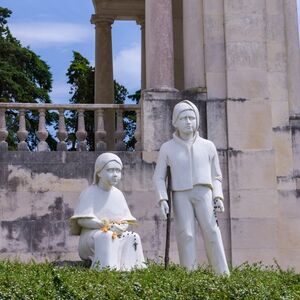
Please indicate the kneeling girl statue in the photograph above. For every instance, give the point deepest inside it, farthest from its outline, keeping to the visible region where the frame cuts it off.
(102, 218)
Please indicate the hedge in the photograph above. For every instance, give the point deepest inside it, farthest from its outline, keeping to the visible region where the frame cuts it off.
(46, 281)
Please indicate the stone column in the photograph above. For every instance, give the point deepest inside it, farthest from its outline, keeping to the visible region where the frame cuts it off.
(193, 48)
(159, 44)
(214, 47)
(251, 154)
(293, 55)
(141, 22)
(104, 85)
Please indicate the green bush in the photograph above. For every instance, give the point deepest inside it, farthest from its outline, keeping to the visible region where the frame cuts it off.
(43, 281)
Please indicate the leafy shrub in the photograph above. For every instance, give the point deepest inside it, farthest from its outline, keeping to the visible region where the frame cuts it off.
(44, 281)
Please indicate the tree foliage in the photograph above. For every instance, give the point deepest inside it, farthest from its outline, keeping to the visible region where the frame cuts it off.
(24, 77)
(81, 77)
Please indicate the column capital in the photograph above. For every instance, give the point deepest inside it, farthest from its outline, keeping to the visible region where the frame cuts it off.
(140, 21)
(102, 20)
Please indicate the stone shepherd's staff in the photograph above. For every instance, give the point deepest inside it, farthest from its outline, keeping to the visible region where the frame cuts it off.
(168, 232)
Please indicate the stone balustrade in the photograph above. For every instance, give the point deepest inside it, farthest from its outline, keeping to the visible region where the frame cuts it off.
(62, 134)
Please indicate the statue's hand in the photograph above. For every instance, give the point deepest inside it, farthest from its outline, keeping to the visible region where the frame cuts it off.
(219, 205)
(118, 228)
(164, 207)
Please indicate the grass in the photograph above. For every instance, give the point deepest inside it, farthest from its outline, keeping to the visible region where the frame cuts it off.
(44, 281)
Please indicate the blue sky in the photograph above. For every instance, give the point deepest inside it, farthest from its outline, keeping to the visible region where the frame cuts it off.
(54, 28)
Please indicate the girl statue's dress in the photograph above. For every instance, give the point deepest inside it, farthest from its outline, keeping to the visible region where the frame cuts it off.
(101, 219)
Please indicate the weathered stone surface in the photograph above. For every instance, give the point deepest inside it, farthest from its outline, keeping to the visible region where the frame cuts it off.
(293, 54)
(215, 57)
(245, 27)
(250, 255)
(278, 86)
(261, 174)
(295, 128)
(193, 33)
(280, 113)
(217, 123)
(247, 83)
(274, 6)
(214, 50)
(245, 55)
(246, 132)
(216, 86)
(276, 57)
(283, 154)
(157, 107)
(213, 7)
(289, 235)
(249, 203)
(254, 233)
(293, 260)
(242, 7)
(287, 204)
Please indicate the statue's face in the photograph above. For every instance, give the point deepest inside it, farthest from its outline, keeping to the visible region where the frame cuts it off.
(186, 122)
(111, 174)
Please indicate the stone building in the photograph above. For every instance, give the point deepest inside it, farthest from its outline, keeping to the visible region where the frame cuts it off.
(238, 61)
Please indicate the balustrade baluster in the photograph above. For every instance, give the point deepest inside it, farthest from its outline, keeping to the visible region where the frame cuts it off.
(100, 134)
(42, 133)
(137, 134)
(81, 133)
(62, 132)
(3, 131)
(119, 134)
(22, 133)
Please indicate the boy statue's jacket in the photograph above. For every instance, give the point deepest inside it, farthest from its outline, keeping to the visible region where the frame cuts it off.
(191, 163)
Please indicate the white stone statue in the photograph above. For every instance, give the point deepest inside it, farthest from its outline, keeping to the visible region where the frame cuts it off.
(196, 185)
(102, 218)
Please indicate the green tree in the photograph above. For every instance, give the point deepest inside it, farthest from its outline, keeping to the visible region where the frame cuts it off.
(130, 122)
(81, 77)
(24, 77)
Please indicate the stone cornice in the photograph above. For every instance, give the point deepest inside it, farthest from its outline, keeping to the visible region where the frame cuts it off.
(96, 19)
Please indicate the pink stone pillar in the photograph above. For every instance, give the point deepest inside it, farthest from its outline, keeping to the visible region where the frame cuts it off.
(104, 84)
(293, 55)
(159, 44)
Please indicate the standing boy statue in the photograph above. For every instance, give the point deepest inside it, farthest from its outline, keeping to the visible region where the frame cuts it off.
(196, 185)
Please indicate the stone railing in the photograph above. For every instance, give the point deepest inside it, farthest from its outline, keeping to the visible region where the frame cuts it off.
(81, 133)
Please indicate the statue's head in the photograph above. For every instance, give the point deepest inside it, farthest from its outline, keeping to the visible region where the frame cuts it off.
(108, 167)
(185, 117)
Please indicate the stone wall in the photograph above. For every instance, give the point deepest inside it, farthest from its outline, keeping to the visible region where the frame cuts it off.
(38, 193)
(39, 190)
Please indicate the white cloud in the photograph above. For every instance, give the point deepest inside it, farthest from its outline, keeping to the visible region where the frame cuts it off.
(43, 34)
(60, 93)
(127, 67)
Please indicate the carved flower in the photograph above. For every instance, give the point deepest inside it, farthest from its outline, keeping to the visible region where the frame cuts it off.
(104, 228)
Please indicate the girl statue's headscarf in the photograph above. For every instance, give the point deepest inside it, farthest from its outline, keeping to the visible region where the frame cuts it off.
(94, 202)
(102, 161)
